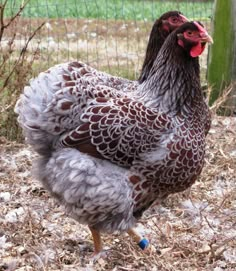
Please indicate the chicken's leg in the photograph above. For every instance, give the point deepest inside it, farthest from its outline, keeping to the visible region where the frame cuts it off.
(96, 240)
(142, 242)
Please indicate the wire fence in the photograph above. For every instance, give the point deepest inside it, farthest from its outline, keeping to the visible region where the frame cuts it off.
(110, 35)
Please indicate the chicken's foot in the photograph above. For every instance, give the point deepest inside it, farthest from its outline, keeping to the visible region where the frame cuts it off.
(138, 238)
(96, 240)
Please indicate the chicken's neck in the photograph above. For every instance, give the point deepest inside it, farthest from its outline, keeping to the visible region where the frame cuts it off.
(156, 40)
(173, 84)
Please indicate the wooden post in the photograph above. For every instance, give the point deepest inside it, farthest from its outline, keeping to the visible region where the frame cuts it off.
(222, 56)
(234, 42)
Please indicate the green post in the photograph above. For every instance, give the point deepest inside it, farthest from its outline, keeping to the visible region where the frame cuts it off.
(222, 55)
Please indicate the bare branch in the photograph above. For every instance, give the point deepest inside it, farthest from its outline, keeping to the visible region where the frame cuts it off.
(21, 56)
(9, 51)
(2, 9)
(18, 13)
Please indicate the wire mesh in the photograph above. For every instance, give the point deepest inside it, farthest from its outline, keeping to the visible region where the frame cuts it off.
(110, 35)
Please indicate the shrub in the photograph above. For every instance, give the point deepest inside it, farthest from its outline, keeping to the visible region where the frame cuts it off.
(15, 69)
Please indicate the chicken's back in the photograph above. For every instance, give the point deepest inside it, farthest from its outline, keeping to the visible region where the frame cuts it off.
(37, 107)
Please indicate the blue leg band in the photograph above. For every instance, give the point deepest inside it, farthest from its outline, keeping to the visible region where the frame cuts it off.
(143, 244)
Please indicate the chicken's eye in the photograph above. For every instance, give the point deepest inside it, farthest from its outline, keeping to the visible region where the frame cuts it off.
(174, 20)
(190, 33)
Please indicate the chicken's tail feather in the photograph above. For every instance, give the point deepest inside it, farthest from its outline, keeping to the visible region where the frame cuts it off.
(30, 108)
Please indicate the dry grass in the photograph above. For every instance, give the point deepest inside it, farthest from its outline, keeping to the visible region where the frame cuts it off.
(114, 46)
(225, 104)
(195, 230)
(104, 44)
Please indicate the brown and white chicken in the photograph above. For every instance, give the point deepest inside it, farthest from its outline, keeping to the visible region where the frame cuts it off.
(107, 155)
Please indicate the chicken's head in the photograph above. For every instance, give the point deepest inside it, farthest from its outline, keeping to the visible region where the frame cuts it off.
(171, 20)
(192, 36)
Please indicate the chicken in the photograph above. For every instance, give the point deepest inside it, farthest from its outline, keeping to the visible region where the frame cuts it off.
(107, 155)
(83, 75)
(162, 27)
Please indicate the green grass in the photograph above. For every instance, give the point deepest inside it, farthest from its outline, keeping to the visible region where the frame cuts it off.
(110, 9)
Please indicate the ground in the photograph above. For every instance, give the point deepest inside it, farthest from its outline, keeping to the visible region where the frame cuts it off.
(195, 230)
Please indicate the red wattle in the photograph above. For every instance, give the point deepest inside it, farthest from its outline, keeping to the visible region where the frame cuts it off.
(197, 50)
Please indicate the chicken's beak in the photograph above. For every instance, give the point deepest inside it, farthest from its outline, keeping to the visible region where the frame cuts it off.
(184, 19)
(205, 37)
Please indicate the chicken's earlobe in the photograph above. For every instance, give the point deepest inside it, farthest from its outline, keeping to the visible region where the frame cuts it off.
(180, 41)
(165, 25)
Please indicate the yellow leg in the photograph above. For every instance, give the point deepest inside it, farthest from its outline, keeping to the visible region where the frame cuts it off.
(135, 235)
(96, 240)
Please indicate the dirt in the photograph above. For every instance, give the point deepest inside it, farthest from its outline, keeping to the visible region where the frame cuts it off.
(195, 230)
